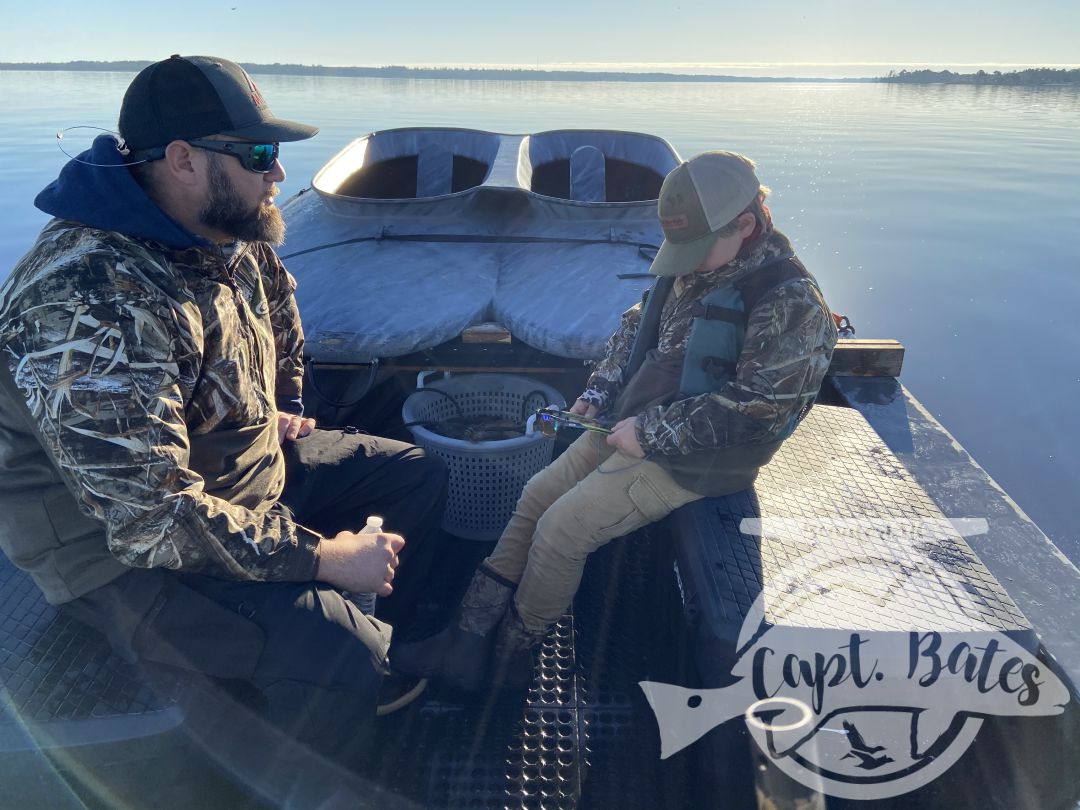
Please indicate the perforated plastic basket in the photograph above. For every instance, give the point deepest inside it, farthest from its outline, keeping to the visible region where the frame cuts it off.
(486, 478)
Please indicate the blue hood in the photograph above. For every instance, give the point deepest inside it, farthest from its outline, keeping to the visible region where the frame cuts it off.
(97, 190)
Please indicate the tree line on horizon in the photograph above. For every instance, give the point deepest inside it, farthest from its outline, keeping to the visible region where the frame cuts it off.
(1028, 77)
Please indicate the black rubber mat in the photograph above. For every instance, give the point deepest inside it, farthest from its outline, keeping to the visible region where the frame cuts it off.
(582, 736)
(54, 673)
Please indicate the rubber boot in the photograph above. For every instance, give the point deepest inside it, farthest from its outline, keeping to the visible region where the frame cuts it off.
(459, 655)
(512, 664)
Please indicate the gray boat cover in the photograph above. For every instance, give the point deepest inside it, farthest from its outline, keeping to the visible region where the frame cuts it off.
(411, 236)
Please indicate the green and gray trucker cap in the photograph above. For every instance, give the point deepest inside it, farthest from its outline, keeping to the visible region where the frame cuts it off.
(698, 198)
(185, 97)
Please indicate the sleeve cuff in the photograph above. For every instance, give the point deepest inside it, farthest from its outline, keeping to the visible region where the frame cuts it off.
(643, 439)
(293, 405)
(305, 562)
(595, 397)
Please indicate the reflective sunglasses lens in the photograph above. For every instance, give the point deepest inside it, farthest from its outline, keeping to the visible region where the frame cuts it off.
(262, 156)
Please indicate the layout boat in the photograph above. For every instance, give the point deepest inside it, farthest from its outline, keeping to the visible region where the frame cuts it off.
(431, 231)
(469, 251)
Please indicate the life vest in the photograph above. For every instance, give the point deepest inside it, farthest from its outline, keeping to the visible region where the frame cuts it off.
(718, 329)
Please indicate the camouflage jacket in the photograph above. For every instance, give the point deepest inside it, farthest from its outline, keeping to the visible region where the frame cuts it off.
(153, 375)
(786, 351)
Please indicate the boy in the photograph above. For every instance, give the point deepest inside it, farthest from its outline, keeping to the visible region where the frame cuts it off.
(705, 379)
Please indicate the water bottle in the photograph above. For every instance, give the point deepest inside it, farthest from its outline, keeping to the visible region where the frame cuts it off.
(366, 601)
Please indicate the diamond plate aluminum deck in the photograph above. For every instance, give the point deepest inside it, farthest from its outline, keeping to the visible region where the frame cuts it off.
(845, 539)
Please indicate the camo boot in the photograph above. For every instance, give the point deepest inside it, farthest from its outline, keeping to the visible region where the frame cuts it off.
(512, 664)
(458, 656)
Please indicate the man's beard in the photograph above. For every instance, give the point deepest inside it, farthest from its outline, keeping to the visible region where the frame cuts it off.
(226, 212)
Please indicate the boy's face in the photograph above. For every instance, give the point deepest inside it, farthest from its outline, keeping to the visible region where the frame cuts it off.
(727, 247)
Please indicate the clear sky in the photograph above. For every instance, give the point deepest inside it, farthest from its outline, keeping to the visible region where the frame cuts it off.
(337, 32)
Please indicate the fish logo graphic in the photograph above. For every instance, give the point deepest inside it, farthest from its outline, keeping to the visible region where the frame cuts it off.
(861, 714)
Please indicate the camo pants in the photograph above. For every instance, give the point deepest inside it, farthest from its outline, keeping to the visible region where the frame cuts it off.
(589, 495)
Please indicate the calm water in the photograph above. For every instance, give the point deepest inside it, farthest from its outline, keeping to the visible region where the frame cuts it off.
(945, 217)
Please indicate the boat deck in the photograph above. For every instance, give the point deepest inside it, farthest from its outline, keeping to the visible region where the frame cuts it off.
(584, 736)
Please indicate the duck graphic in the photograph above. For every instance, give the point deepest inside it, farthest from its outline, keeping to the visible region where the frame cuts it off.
(863, 752)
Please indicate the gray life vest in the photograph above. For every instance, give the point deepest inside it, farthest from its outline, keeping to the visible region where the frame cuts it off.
(718, 330)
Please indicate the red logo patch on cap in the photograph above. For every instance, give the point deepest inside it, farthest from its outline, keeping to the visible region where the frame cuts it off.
(256, 96)
(674, 223)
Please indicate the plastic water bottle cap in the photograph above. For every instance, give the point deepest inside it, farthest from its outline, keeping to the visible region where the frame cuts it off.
(374, 522)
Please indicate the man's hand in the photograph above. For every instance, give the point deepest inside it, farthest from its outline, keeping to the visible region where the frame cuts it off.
(623, 437)
(360, 562)
(290, 426)
(583, 408)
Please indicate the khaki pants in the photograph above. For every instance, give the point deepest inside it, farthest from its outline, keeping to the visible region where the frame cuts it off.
(589, 495)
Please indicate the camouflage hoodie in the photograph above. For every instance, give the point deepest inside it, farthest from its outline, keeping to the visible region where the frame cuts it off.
(789, 340)
(152, 364)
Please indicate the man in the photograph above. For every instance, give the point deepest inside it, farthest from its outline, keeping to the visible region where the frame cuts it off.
(703, 383)
(157, 476)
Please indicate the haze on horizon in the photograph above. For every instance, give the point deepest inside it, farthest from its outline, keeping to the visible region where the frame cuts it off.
(804, 36)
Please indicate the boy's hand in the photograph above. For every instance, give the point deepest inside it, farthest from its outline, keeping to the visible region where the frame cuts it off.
(623, 437)
(583, 408)
(292, 427)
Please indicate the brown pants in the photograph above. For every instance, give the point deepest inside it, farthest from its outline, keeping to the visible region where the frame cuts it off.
(589, 495)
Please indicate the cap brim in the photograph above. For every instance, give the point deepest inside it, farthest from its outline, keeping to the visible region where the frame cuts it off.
(682, 258)
(276, 130)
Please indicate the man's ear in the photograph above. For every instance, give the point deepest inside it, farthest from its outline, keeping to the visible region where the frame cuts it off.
(747, 223)
(181, 163)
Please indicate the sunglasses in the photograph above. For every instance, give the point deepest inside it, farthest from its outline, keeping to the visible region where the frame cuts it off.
(255, 157)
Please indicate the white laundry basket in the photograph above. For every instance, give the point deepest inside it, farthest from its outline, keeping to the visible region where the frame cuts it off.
(486, 478)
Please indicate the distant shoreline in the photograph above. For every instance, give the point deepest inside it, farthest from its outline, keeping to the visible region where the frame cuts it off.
(466, 74)
(1029, 77)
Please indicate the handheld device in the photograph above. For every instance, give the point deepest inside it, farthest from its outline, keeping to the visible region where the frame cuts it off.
(550, 419)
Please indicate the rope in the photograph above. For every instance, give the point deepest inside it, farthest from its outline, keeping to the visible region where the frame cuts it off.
(478, 239)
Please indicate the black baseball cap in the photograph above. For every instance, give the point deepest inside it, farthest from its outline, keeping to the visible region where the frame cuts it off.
(185, 97)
